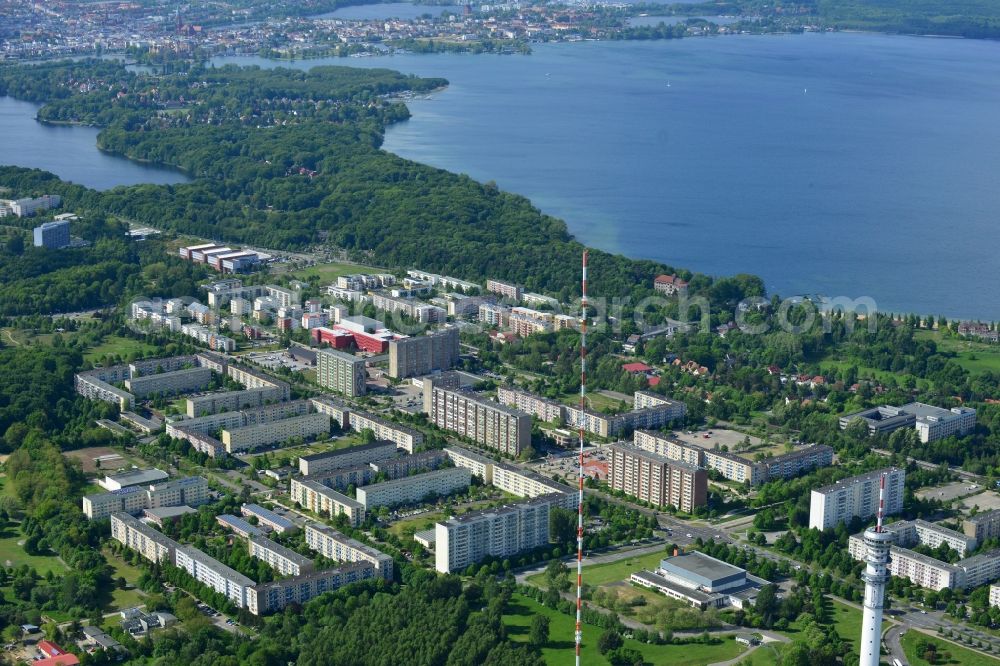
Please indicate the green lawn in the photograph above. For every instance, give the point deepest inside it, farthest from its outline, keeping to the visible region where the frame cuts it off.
(559, 649)
(124, 569)
(765, 655)
(864, 372)
(596, 401)
(976, 357)
(847, 620)
(124, 347)
(330, 272)
(12, 554)
(611, 572)
(424, 521)
(959, 655)
(129, 598)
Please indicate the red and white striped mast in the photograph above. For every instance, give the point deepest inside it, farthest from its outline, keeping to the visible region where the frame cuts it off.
(580, 424)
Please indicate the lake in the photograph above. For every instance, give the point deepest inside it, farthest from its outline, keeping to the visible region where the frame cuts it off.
(68, 151)
(837, 164)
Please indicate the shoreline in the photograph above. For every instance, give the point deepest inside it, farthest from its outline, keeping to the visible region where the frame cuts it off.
(406, 97)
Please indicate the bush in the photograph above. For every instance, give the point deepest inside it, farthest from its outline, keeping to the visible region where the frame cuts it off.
(609, 640)
(624, 656)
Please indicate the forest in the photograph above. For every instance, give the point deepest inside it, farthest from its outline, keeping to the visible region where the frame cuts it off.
(975, 19)
(243, 134)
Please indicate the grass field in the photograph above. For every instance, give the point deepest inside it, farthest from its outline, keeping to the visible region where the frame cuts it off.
(13, 555)
(596, 401)
(123, 347)
(560, 646)
(976, 357)
(294, 452)
(611, 572)
(330, 272)
(864, 372)
(425, 521)
(847, 620)
(959, 655)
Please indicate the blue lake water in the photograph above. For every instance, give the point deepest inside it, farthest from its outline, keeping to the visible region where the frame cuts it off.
(70, 152)
(838, 164)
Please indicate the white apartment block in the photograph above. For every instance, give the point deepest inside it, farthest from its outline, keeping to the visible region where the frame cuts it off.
(341, 372)
(485, 422)
(613, 425)
(511, 478)
(274, 596)
(503, 532)
(656, 479)
(209, 571)
(178, 381)
(342, 478)
(505, 289)
(189, 491)
(476, 463)
(422, 312)
(934, 574)
(735, 467)
(413, 489)
(445, 281)
(283, 560)
(333, 545)
(143, 539)
(912, 532)
(856, 496)
(526, 483)
(730, 465)
(644, 399)
(230, 401)
(333, 407)
(284, 297)
(396, 468)
(792, 464)
(424, 354)
(994, 595)
(983, 526)
(494, 315)
(275, 432)
(460, 305)
(97, 384)
(320, 463)
(668, 447)
(324, 501)
(541, 408)
(403, 437)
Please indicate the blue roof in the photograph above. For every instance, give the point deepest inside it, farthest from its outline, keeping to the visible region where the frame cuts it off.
(268, 515)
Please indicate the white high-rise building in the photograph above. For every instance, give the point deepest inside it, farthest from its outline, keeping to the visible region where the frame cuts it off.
(856, 496)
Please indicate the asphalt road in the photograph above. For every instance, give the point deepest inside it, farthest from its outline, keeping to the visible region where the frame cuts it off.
(892, 645)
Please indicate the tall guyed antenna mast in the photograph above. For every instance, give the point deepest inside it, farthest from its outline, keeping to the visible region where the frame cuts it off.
(583, 405)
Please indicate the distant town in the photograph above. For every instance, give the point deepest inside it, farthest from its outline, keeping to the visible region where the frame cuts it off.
(73, 29)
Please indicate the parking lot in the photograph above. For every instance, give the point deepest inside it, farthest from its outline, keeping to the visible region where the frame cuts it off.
(272, 360)
(565, 463)
(985, 501)
(948, 492)
(708, 439)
